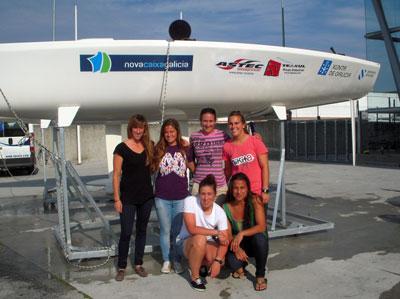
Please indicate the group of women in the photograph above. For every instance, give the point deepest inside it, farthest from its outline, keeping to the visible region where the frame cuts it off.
(194, 226)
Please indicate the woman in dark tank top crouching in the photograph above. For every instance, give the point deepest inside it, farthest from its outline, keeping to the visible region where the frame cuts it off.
(133, 191)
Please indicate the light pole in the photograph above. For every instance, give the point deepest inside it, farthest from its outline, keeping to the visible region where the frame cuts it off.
(78, 127)
(54, 20)
(76, 19)
(283, 23)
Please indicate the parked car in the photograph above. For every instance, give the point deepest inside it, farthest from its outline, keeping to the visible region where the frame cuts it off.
(16, 149)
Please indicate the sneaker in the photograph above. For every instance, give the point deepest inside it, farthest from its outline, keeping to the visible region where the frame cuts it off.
(198, 285)
(120, 275)
(166, 267)
(203, 271)
(178, 268)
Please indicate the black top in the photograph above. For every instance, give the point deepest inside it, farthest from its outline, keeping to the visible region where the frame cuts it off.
(135, 186)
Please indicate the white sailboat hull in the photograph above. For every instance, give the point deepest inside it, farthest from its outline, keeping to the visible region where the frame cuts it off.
(126, 77)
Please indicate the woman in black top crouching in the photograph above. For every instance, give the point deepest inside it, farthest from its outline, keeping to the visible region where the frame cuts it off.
(133, 192)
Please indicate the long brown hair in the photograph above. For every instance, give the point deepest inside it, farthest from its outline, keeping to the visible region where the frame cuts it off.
(240, 176)
(162, 144)
(139, 121)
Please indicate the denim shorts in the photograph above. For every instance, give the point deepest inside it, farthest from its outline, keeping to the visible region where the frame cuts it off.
(179, 249)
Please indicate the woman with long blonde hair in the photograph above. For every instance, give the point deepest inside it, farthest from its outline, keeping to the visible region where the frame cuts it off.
(133, 192)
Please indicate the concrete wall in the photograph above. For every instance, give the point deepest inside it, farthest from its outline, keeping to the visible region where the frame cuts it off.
(93, 140)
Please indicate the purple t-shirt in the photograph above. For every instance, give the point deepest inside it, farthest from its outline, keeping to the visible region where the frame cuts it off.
(207, 150)
(171, 182)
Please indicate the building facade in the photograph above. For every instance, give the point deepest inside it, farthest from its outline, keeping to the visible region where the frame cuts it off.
(380, 120)
(375, 44)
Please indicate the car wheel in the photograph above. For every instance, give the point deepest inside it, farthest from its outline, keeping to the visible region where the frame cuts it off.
(31, 170)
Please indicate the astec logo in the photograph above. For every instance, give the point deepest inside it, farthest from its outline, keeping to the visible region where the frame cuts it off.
(241, 65)
(273, 68)
(323, 70)
(100, 62)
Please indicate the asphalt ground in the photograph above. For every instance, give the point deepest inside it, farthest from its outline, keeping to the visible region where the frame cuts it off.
(359, 258)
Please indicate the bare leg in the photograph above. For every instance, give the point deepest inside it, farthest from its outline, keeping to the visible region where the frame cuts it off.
(211, 253)
(195, 250)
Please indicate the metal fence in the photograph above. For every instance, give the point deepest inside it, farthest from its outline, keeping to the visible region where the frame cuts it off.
(319, 140)
(309, 140)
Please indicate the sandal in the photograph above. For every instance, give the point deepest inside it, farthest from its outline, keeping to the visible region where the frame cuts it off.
(140, 271)
(261, 284)
(238, 274)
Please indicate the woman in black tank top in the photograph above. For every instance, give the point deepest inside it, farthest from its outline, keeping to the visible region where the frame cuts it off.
(133, 192)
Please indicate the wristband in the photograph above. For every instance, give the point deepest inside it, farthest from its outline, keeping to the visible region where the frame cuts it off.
(265, 190)
(218, 261)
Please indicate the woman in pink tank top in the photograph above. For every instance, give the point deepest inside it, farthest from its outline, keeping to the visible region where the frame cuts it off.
(247, 154)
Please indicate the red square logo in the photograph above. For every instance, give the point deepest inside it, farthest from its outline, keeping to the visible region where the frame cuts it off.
(273, 68)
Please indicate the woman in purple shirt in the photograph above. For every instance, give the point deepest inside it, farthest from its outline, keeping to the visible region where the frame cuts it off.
(171, 188)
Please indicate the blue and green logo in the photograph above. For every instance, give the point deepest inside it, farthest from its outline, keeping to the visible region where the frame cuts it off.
(101, 62)
(104, 63)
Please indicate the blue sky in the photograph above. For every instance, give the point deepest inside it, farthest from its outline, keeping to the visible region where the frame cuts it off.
(310, 24)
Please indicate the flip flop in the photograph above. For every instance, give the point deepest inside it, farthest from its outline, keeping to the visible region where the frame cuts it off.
(237, 275)
(261, 285)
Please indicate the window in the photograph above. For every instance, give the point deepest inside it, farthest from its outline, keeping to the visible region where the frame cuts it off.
(10, 129)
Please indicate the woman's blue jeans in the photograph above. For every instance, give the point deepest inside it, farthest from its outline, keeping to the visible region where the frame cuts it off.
(170, 215)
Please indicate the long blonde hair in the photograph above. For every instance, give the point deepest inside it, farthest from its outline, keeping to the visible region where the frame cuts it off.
(161, 146)
(139, 121)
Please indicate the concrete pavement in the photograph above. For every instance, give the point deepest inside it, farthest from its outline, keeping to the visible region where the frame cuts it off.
(360, 258)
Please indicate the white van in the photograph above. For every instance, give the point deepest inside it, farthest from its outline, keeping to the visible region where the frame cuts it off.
(16, 150)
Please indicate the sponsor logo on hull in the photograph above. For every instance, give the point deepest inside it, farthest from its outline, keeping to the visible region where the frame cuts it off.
(103, 63)
(363, 73)
(252, 67)
(323, 70)
(274, 67)
(293, 69)
(328, 68)
(241, 66)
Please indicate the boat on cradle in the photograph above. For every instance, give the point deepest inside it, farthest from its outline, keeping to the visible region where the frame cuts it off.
(111, 79)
